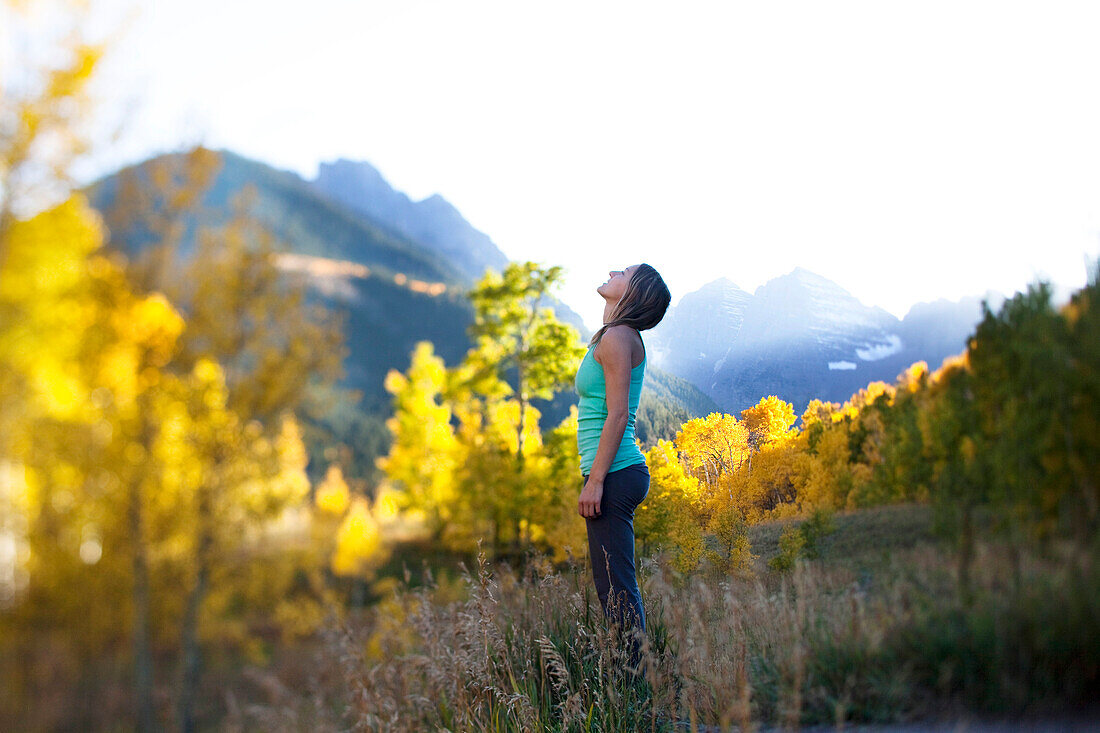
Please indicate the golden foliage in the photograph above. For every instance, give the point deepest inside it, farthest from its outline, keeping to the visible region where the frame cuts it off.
(358, 541)
(714, 445)
(768, 420)
(332, 494)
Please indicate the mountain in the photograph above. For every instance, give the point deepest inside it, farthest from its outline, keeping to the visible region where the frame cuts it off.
(801, 336)
(698, 331)
(935, 328)
(307, 221)
(433, 222)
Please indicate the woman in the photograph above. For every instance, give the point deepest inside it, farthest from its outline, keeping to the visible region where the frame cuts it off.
(616, 479)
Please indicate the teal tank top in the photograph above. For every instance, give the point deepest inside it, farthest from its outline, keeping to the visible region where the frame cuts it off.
(592, 412)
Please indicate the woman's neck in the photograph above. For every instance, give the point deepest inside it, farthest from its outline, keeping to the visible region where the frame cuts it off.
(608, 306)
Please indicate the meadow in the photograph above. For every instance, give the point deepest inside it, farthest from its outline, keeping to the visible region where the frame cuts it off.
(873, 630)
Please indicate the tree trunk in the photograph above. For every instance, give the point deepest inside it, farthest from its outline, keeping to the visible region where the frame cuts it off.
(522, 417)
(1083, 521)
(192, 654)
(521, 391)
(966, 553)
(190, 648)
(143, 651)
(1016, 559)
(189, 641)
(496, 533)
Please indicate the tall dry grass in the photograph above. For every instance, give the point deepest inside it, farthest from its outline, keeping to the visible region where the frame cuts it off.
(529, 650)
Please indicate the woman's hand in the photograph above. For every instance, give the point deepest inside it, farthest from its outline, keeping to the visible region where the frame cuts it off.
(588, 505)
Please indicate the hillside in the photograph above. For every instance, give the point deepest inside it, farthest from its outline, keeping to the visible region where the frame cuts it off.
(863, 539)
(295, 213)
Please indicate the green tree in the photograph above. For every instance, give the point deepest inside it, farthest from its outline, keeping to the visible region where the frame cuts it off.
(902, 474)
(516, 336)
(955, 448)
(515, 333)
(1078, 453)
(1023, 381)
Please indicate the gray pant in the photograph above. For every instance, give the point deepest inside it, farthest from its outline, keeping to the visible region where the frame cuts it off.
(611, 545)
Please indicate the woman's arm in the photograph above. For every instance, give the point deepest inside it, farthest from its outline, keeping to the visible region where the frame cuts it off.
(615, 351)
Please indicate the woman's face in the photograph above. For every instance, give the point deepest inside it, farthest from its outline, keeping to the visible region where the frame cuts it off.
(616, 283)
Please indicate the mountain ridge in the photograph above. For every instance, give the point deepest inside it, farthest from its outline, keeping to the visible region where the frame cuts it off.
(801, 336)
(433, 220)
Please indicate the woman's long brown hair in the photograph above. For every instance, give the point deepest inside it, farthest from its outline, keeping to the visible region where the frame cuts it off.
(642, 306)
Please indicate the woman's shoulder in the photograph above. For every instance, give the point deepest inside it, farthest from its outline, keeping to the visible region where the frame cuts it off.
(622, 333)
(627, 329)
(620, 338)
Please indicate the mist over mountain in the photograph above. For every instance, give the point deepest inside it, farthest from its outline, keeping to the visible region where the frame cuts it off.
(698, 331)
(801, 336)
(432, 222)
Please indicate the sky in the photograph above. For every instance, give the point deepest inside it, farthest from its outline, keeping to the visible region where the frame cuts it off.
(907, 151)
